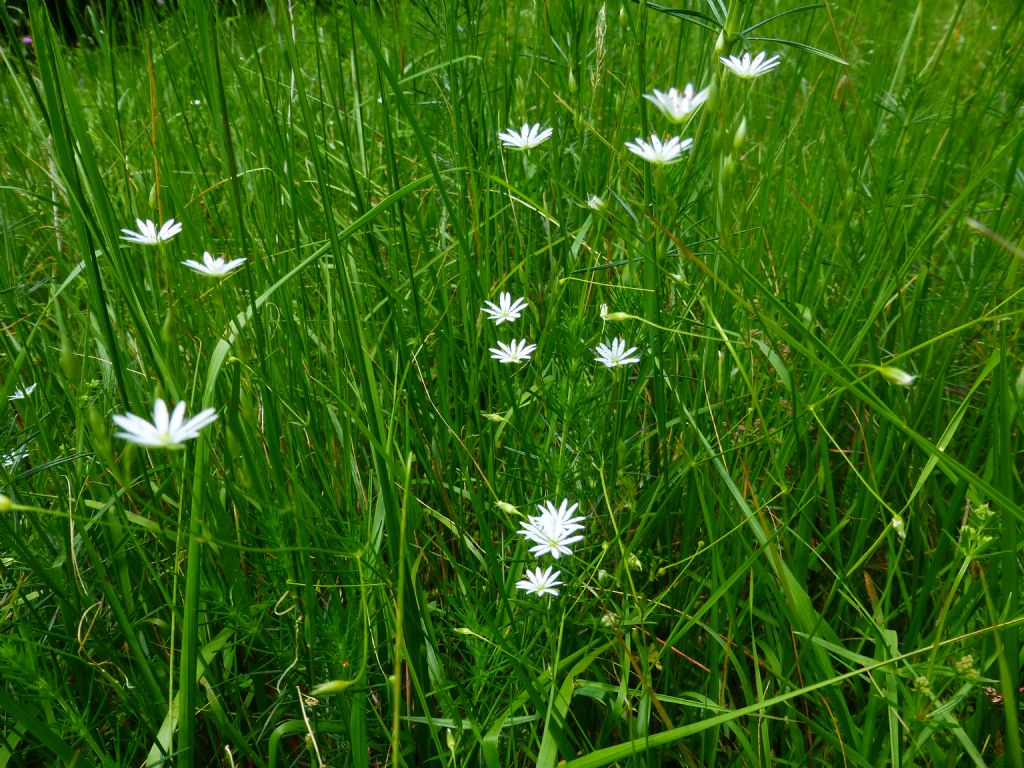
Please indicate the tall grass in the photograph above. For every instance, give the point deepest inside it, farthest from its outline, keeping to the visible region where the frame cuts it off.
(789, 558)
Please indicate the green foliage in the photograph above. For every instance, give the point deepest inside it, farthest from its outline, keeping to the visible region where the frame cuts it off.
(794, 553)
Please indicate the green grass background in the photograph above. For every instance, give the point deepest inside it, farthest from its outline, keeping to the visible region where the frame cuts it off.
(787, 558)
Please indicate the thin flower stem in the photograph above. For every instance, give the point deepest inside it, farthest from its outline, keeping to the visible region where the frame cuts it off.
(675, 331)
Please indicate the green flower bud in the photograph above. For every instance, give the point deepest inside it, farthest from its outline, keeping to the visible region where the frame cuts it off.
(740, 137)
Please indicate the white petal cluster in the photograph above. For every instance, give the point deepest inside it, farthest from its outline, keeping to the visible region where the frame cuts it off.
(513, 352)
(526, 138)
(538, 582)
(553, 530)
(213, 267)
(678, 106)
(506, 310)
(747, 67)
(616, 354)
(22, 392)
(166, 430)
(14, 458)
(148, 234)
(660, 152)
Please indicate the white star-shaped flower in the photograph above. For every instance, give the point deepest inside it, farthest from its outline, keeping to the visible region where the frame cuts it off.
(148, 234)
(165, 431)
(506, 310)
(595, 203)
(22, 392)
(553, 530)
(658, 152)
(538, 582)
(527, 138)
(513, 352)
(678, 106)
(14, 458)
(560, 517)
(616, 354)
(213, 267)
(744, 66)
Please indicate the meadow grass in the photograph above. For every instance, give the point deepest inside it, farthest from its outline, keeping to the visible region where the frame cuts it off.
(793, 552)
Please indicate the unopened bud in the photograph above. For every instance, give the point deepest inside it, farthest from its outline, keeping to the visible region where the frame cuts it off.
(897, 376)
(507, 508)
(167, 330)
(728, 166)
(69, 362)
(740, 137)
(720, 44)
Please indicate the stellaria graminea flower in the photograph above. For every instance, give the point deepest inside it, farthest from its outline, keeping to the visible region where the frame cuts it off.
(148, 234)
(527, 138)
(678, 106)
(658, 152)
(595, 203)
(560, 517)
(513, 352)
(616, 354)
(164, 431)
(14, 458)
(538, 582)
(213, 267)
(553, 530)
(22, 392)
(506, 310)
(744, 66)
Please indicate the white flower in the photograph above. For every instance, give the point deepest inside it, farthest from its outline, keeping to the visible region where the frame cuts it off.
(14, 458)
(552, 531)
(678, 106)
(527, 138)
(744, 66)
(561, 517)
(148, 235)
(506, 310)
(538, 582)
(595, 203)
(513, 352)
(213, 267)
(658, 152)
(616, 354)
(164, 431)
(897, 376)
(22, 392)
